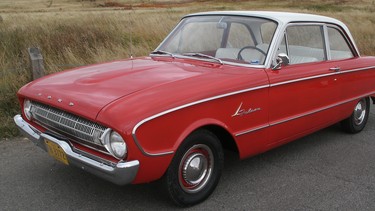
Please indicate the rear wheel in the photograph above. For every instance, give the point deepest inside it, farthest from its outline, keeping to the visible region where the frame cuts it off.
(357, 121)
(195, 169)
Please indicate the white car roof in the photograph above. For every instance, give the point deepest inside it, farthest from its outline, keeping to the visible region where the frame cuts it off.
(281, 17)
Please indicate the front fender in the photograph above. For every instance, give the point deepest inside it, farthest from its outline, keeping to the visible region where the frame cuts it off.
(149, 171)
(196, 125)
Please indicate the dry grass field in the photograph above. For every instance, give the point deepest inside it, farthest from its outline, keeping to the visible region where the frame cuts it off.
(78, 32)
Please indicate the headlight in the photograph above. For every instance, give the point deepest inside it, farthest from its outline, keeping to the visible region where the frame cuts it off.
(27, 109)
(114, 143)
(117, 145)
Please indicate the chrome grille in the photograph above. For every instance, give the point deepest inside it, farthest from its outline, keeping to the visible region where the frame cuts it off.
(67, 123)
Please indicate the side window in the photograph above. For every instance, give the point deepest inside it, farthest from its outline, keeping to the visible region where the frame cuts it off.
(239, 36)
(305, 44)
(338, 45)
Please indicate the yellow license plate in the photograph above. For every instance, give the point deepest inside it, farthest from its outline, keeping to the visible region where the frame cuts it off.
(56, 152)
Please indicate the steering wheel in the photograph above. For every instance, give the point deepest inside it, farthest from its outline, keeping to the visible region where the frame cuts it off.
(239, 57)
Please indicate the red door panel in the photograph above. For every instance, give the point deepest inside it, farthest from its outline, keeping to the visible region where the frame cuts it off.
(301, 99)
(357, 78)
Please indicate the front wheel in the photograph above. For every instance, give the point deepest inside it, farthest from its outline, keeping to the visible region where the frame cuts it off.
(357, 121)
(195, 169)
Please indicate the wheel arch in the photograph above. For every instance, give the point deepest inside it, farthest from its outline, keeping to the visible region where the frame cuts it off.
(356, 122)
(226, 139)
(220, 130)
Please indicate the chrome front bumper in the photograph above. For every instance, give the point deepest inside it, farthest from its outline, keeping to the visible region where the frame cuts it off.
(122, 173)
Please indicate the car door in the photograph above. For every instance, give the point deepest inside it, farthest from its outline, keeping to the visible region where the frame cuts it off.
(357, 75)
(303, 93)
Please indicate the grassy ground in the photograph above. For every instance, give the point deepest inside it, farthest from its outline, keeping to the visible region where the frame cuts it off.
(78, 32)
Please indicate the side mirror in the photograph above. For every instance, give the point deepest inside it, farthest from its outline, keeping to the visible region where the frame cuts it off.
(282, 60)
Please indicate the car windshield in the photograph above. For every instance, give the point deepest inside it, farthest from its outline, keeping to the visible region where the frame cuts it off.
(235, 39)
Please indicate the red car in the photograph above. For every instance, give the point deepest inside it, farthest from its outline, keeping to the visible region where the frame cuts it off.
(243, 81)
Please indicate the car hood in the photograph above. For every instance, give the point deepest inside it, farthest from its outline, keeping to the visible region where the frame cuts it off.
(85, 91)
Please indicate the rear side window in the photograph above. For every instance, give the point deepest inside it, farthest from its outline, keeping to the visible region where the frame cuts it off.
(338, 45)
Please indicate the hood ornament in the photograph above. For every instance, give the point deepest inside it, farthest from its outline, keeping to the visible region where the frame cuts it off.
(58, 100)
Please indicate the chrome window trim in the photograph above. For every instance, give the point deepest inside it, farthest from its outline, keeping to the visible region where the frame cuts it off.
(286, 43)
(284, 33)
(274, 43)
(279, 35)
(327, 43)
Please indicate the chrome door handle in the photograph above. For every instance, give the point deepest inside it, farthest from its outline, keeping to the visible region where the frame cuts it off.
(335, 69)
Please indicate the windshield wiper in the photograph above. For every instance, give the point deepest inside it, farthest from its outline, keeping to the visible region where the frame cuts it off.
(160, 52)
(204, 56)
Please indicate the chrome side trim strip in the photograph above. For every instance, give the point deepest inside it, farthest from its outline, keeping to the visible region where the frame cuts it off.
(319, 110)
(303, 79)
(355, 70)
(303, 115)
(321, 76)
(307, 114)
(179, 108)
(252, 130)
(243, 91)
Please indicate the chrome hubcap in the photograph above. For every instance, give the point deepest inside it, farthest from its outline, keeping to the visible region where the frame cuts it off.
(360, 112)
(196, 168)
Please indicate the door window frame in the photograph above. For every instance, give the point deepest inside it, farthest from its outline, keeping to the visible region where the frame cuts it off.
(326, 43)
